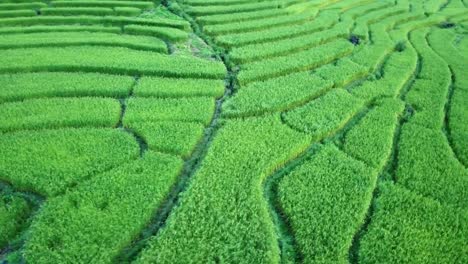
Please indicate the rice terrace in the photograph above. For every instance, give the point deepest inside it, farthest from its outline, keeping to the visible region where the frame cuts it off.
(233, 131)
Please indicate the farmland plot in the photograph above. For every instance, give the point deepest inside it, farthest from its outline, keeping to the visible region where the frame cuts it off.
(233, 131)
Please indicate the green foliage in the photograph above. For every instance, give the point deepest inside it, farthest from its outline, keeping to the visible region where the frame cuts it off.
(222, 214)
(371, 140)
(172, 34)
(127, 11)
(458, 125)
(17, 13)
(42, 29)
(341, 73)
(215, 2)
(13, 211)
(441, 41)
(362, 22)
(428, 94)
(278, 94)
(77, 11)
(173, 87)
(198, 109)
(118, 3)
(59, 112)
(326, 200)
(14, 5)
(288, 46)
(408, 228)
(394, 77)
(231, 8)
(82, 38)
(277, 33)
(255, 25)
(426, 165)
(238, 17)
(300, 61)
(325, 114)
(90, 20)
(50, 161)
(113, 60)
(178, 138)
(382, 84)
(16, 87)
(93, 222)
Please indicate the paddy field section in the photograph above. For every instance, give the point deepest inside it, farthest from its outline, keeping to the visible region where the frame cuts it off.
(234, 131)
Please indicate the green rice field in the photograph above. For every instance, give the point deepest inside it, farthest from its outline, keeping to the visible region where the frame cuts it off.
(234, 131)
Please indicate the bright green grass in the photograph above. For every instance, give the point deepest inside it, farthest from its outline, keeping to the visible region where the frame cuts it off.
(81, 39)
(114, 60)
(417, 229)
(301, 61)
(278, 94)
(16, 87)
(13, 212)
(222, 214)
(100, 217)
(233, 131)
(173, 87)
(371, 140)
(59, 112)
(324, 115)
(90, 20)
(178, 138)
(172, 34)
(427, 166)
(50, 161)
(58, 28)
(326, 199)
(197, 109)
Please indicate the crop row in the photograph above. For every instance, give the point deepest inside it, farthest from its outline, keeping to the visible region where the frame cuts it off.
(82, 39)
(239, 17)
(199, 109)
(371, 140)
(279, 30)
(70, 155)
(278, 94)
(457, 109)
(301, 61)
(17, 87)
(108, 60)
(17, 13)
(323, 116)
(254, 52)
(103, 3)
(59, 112)
(19, 5)
(92, 20)
(256, 25)
(222, 215)
(49, 29)
(286, 92)
(13, 212)
(177, 87)
(231, 8)
(277, 33)
(168, 33)
(90, 11)
(393, 79)
(326, 199)
(415, 228)
(95, 221)
(429, 92)
(173, 137)
(216, 2)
